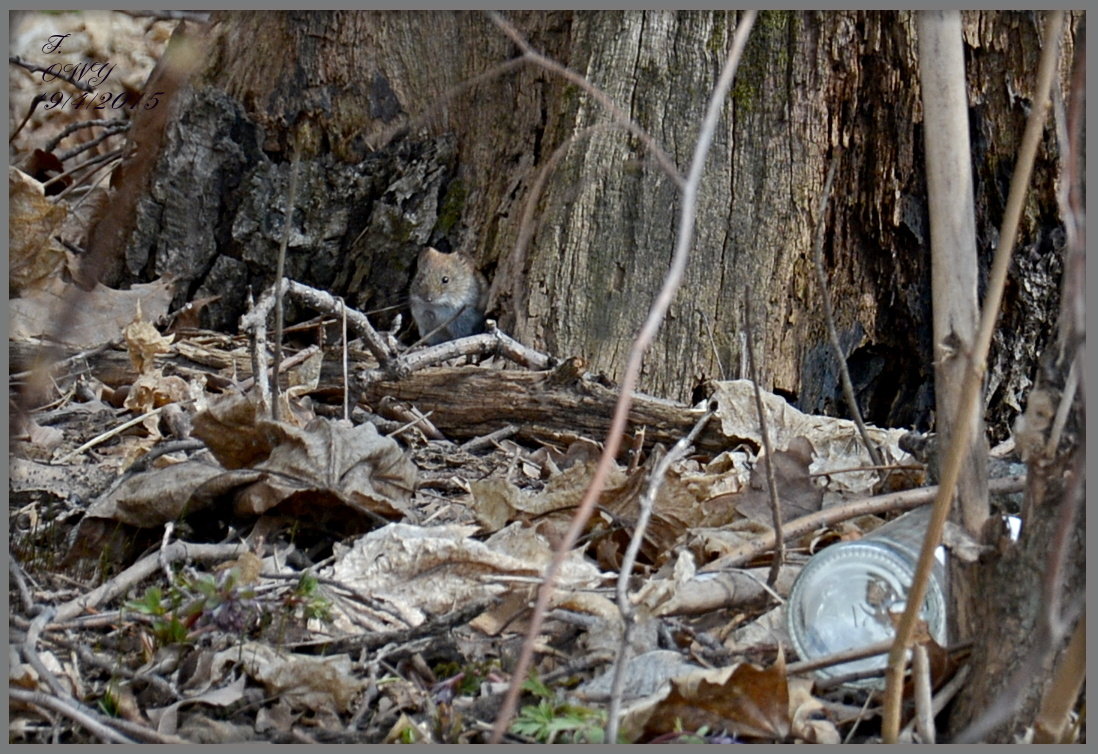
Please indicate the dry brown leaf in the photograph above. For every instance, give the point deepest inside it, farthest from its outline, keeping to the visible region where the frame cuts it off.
(321, 470)
(645, 675)
(42, 437)
(61, 481)
(803, 711)
(744, 700)
(690, 593)
(166, 719)
(303, 378)
(420, 571)
(330, 462)
(72, 316)
(305, 682)
(836, 442)
(798, 494)
(154, 497)
(278, 717)
(709, 544)
(228, 427)
(563, 491)
(34, 255)
(153, 390)
(144, 342)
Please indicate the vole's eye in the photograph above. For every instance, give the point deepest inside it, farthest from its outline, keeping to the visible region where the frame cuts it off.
(445, 279)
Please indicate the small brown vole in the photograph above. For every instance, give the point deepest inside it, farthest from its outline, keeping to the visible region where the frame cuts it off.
(448, 294)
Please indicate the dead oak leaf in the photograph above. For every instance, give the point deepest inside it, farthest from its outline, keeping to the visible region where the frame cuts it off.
(333, 460)
(797, 492)
(743, 700)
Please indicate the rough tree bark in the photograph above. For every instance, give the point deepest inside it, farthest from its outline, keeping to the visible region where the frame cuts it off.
(400, 152)
(422, 128)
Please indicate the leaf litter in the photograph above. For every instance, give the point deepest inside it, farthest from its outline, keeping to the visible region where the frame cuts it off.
(186, 568)
(362, 535)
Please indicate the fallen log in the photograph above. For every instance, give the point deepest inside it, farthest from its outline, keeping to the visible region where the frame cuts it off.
(466, 402)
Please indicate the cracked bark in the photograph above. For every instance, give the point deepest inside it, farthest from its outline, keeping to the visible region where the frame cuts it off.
(398, 154)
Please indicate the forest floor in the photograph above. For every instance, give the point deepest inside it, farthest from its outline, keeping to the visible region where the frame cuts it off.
(186, 566)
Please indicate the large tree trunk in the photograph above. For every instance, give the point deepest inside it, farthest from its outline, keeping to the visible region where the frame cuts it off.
(398, 151)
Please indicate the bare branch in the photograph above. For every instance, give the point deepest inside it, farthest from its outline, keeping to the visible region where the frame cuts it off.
(647, 502)
(970, 392)
(529, 53)
(768, 449)
(632, 371)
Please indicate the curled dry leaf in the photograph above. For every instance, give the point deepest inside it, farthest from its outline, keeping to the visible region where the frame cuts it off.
(326, 467)
(685, 500)
(744, 700)
(154, 497)
(166, 719)
(420, 571)
(805, 712)
(798, 494)
(303, 681)
(836, 442)
(503, 500)
(82, 319)
(645, 674)
(144, 342)
(228, 427)
(34, 255)
(687, 592)
(331, 462)
(154, 389)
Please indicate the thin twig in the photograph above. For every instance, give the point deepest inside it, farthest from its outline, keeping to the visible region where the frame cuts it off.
(165, 566)
(38, 100)
(924, 714)
(969, 402)
(859, 718)
(120, 123)
(838, 658)
(632, 371)
(89, 163)
(713, 344)
(99, 439)
(489, 439)
(85, 653)
(107, 169)
(25, 595)
(34, 68)
(72, 711)
(298, 358)
(620, 115)
(30, 653)
(829, 319)
(895, 501)
(84, 146)
(942, 698)
(647, 502)
(343, 360)
(768, 449)
(280, 266)
(1055, 713)
(142, 569)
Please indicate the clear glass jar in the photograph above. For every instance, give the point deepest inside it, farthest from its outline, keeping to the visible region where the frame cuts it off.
(842, 598)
